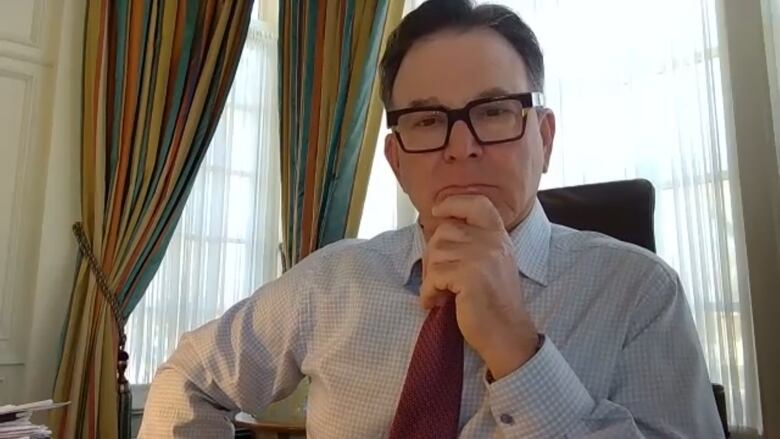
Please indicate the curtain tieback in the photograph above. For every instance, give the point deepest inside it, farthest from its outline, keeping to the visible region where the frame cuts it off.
(86, 250)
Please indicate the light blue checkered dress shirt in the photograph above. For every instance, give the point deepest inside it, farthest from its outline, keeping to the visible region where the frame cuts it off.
(621, 358)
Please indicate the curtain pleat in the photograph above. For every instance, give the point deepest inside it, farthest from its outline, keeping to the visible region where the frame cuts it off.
(156, 75)
(329, 119)
(226, 242)
(329, 53)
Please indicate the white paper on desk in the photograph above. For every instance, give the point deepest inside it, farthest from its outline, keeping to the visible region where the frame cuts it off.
(24, 420)
(31, 407)
(19, 429)
(17, 420)
(32, 434)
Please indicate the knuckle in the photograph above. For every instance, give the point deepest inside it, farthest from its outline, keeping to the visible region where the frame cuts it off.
(456, 231)
(447, 228)
(436, 254)
(500, 252)
(439, 245)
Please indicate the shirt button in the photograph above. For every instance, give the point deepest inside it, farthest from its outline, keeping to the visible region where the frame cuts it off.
(507, 419)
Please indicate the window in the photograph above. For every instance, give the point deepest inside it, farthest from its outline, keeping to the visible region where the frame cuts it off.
(630, 101)
(379, 215)
(633, 102)
(226, 243)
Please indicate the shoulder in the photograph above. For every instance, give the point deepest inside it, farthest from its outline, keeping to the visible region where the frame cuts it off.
(388, 245)
(632, 280)
(613, 262)
(571, 243)
(349, 258)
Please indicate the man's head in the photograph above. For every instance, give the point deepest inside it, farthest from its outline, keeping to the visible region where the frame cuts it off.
(449, 53)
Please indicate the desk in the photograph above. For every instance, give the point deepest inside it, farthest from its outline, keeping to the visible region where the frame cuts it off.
(270, 430)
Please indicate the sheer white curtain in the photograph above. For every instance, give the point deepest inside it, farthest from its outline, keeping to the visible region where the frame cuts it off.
(636, 88)
(387, 207)
(226, 243)
(379, 215)
(635, 101)
(771, 13)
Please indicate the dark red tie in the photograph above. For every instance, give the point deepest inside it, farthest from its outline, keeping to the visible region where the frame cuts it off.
(430, 401)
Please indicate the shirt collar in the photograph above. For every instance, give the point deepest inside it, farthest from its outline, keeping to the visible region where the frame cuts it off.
(415, 252)
(530, 240)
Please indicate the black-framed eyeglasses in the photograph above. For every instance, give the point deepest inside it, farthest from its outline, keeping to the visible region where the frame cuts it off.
(491, 120)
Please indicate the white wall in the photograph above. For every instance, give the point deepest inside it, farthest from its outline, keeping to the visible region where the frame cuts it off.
(61, 207)
(25, 71)
(40, 61)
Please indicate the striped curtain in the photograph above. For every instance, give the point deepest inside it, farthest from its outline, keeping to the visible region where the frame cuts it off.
(330, 115)
(156, 74)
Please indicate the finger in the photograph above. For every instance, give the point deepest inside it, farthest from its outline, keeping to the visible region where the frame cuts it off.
(434, 298)
(455, 233)
(445, 250)
(453, 230)
(464, 253)
(438, 284)
(475, 210)
(463, 244)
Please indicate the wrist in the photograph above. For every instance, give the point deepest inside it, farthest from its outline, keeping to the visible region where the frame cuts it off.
(506, 361)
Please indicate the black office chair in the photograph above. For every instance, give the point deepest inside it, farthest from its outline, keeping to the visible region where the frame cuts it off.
(621, 209)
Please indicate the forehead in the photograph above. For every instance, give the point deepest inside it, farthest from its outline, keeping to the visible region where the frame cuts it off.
(453, 67)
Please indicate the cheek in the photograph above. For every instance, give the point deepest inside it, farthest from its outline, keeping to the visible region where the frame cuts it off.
(415, 177)
(409, 172)
(517, 166)
(519, 171)
(530, 160)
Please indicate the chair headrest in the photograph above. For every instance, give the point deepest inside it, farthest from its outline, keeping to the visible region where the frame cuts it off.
(621, 209)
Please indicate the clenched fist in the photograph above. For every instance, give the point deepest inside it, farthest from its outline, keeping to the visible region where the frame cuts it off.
(470, 255)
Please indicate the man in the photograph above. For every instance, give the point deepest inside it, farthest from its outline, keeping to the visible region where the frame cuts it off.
(482, 320)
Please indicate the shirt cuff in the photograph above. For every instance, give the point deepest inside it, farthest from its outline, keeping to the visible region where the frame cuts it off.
(541, 399)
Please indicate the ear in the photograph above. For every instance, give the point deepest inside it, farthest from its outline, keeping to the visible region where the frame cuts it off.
(547, 130)
(391, 154)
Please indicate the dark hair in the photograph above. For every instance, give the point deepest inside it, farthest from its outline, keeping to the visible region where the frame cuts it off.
(437, 15)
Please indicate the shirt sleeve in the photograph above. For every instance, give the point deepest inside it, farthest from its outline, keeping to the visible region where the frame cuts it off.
(660, 387)
(242, 361)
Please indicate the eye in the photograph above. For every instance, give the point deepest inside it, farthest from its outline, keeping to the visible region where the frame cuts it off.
(427, 119)
(426, 122)
(494, 111)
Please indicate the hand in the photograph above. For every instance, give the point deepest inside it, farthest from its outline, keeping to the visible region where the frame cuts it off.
(470, 255)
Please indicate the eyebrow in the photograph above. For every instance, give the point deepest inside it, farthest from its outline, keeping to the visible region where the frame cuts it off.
(433, 101)
(493, 92)
(424, 102)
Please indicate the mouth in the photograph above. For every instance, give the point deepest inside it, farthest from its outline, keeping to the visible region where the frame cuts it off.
(468, 189)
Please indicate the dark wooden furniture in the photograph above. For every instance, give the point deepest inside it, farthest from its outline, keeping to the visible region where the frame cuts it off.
(257, 430)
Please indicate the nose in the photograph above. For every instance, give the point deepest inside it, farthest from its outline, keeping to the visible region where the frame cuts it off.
(462, 144)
